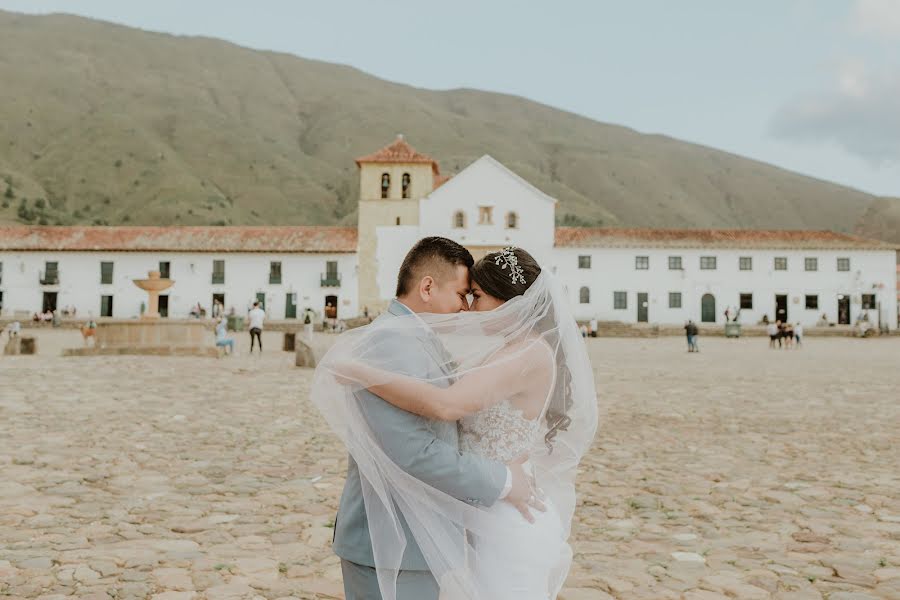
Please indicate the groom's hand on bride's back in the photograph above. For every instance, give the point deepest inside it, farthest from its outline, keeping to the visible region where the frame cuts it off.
(522, 494)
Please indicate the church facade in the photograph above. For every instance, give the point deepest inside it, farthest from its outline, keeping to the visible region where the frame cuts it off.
(628, 275)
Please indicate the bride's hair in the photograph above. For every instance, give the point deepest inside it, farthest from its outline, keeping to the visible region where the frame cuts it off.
(491, 276)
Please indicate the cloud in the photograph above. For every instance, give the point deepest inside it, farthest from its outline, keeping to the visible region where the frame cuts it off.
(880, 18)
(861, 113)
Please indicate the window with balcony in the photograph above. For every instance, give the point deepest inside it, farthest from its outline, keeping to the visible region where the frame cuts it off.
(50, 274)
(106, 273)
(745, 263)
(218, 273)
(275, 272)
(641, 263)
(708, 263)
(331, 277)
(675, 263)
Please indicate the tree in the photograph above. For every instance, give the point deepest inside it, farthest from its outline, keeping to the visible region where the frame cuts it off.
(9, 191)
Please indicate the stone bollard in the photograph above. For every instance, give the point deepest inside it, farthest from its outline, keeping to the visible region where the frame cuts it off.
(289, 342)
(28, 345)
(304, 357)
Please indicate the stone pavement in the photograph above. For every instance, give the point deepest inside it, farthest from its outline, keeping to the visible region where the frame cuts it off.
(738, 472)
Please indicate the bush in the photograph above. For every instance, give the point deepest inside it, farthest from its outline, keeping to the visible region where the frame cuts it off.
(9, 192)
(39, 203)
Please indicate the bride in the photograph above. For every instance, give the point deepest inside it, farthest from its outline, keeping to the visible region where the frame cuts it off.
(520, 387)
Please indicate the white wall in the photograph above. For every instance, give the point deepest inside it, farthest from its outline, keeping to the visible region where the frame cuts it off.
(613, 269)
(245, 275)
(488, 183)
(393, 244)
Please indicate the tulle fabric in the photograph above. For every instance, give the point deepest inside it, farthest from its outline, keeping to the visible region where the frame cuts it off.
(456, 537)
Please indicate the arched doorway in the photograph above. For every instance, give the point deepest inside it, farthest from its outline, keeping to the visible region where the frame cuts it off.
(708, 308)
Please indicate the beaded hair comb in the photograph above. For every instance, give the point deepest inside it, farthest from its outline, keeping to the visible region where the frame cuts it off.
(507, 258)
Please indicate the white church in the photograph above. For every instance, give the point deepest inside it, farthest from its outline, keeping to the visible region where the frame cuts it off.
(626, 275)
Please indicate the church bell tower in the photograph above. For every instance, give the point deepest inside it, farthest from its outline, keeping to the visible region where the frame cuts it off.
(391, 183)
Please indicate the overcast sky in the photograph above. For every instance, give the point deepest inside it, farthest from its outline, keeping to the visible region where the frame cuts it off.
(808, 85)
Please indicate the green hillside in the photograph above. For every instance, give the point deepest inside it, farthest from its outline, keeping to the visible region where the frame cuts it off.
(101, 123)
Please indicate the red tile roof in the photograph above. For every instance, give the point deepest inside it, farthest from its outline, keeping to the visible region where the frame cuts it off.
(399, 152)
(583, 237)
(440, 180)
(181, 239)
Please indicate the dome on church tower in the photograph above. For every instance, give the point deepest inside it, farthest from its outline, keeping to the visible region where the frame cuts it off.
(399, 151)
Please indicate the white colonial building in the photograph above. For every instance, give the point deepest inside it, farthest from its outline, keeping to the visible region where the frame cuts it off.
(289, 269)
(628, 275)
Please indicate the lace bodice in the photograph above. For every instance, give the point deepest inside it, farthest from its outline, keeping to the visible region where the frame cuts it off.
(500, 432)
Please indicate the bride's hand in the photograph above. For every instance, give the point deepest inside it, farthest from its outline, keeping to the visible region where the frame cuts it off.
(523, 495)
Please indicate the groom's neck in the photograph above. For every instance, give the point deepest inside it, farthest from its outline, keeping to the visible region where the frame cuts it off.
(412, 303)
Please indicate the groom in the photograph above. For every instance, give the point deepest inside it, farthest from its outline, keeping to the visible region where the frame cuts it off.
(434, 278)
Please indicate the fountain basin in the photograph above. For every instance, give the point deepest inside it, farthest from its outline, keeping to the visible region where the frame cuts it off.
(149, 337)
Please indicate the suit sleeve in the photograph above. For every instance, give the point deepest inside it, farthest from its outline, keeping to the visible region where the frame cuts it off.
(409, 441)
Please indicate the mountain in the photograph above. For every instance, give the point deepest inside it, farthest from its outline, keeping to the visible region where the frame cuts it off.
(101, 123)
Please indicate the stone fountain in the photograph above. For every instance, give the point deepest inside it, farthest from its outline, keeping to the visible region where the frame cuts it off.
(150, 334)
(153, 285)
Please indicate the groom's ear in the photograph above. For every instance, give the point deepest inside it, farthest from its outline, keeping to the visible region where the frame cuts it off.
(426, 288)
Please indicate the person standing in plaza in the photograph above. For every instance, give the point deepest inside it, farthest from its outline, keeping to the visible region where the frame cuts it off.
(308, 327)
(694, 332)
(772, 331)
(592, 329)
(798, 333)
(257, 316)
(222, 339)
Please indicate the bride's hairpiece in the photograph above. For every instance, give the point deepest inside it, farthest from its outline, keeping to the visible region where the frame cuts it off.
(507, 258)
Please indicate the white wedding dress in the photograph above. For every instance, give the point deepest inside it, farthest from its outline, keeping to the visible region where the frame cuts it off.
(515, 561)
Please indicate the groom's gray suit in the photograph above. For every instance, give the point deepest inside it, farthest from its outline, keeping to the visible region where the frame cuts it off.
(427, 450)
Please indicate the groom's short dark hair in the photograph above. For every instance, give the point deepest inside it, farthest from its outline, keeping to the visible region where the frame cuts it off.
(430, 253)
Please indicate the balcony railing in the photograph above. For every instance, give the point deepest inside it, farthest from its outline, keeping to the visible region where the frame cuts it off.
(49, 278)
(331, 280)
(218, 277)
(274, 279)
